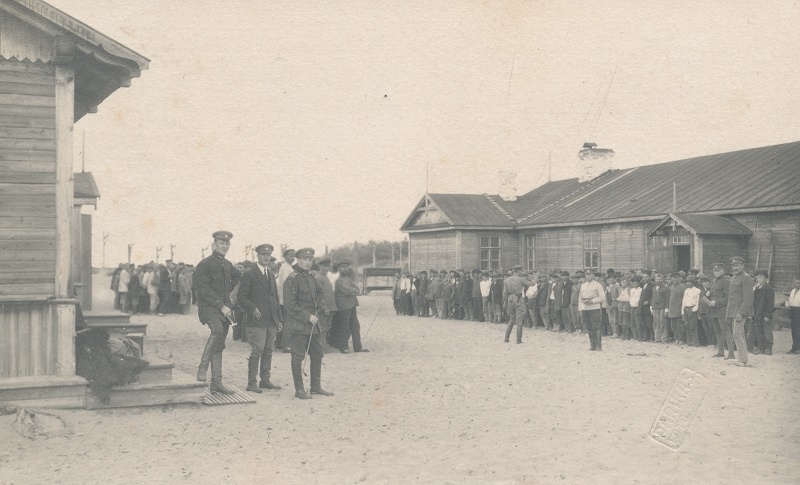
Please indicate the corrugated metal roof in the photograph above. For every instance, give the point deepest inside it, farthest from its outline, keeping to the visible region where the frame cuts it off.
(753, 178)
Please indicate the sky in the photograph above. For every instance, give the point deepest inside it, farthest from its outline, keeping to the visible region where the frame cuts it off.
(320, 123)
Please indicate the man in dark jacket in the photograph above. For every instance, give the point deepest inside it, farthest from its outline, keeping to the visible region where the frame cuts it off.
(740, 307)
(346, 296)
(258, 296)
(304, 303)
(422, 310)
(759, 335)
(213, 281)
(717, 305)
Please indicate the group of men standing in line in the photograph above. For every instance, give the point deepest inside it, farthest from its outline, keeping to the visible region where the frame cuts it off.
(153, 288)
(300, 306)
(731, 311)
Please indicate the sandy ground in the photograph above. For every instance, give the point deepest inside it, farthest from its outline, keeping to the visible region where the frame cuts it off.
(439, 402)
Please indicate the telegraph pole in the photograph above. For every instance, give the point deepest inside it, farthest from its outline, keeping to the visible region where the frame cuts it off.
(203, 252)
(105, 240)
(172, 251)
(158, 251)
(130, 250)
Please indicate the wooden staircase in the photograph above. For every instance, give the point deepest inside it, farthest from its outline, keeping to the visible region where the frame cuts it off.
(158, 384)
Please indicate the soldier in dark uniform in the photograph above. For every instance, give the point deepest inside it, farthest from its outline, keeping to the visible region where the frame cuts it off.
(717, 306)
(740, 307)
(213, 282)
(304, 303)
(258, 296)
(513, 289)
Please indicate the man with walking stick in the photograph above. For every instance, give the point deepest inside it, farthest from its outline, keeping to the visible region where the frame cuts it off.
(304, 302)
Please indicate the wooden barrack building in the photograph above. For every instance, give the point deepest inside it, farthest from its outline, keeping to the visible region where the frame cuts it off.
(669, 216)
(54, 70)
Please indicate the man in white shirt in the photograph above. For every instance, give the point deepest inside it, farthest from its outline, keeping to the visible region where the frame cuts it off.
(124, 296)
(793, 303)
(284, 337)
(591, 296)
(691, 305)
(486, 287)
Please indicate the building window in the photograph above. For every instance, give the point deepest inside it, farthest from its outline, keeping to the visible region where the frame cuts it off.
(680, 240)
(530, 251)
(490, 253)
(591, 250)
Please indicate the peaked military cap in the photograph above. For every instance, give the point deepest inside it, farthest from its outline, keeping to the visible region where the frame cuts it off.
(222, 235)
(264, 248)
(304, 253)
(736, 260)
(718, 266)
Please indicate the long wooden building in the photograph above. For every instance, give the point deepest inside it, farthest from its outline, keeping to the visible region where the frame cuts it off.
(54, 70)
(669, 216)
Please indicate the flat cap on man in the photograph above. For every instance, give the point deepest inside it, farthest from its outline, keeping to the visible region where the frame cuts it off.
(516, 267)
(264, 248)
(718, 266)
(736, 260)
(222, 235)
(763, 273)
(288, 250)
(324, 261)
(305, 253)
(344, 262)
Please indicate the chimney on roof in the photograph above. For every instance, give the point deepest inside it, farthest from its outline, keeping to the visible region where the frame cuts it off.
(508, 188)
(593, 161)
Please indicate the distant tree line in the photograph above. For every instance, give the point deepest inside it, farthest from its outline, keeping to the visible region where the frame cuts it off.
(385, 253)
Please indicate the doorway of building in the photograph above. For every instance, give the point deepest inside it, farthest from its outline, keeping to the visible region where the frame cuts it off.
(681, 258)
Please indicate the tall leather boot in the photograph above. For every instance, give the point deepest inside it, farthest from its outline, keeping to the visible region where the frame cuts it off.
(252, 373)
(266, 366)
(592, 339)
(205, 360)
(316, 371)
(297, 376)
(216, 375)
(598, 339)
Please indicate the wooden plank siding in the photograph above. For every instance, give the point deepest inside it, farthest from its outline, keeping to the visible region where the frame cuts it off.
(433, 250)
(21, 41)
(27, 177)
(781, 229)
(622, 246)
(28, 339)
(470, 249)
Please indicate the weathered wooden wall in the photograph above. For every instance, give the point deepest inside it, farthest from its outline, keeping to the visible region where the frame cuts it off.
(35, 340)
(781, 229)
(470, 249)
(27, 183)
(433, 250)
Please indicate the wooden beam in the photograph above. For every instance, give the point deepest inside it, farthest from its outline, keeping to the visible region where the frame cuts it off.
(65, 91)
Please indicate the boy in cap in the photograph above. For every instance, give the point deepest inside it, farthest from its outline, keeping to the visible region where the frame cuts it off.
(691, 307)
(304, 303)
(258, 296)
(213, 281)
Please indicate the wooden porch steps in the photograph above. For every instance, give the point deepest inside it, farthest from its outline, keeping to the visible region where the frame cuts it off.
(55, 392)
(181, 388)
(93, 318)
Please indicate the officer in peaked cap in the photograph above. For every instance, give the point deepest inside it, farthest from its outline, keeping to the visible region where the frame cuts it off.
(304, 303)
(718, 295)
(740, 306)
(258, 295)
(513, 300)
(214, 279)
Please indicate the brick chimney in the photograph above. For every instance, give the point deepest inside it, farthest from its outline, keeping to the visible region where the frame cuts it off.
(593, 161)
(508, 188)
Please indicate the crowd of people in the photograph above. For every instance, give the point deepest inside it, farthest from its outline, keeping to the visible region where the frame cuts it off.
(728, 310)
(153, 288)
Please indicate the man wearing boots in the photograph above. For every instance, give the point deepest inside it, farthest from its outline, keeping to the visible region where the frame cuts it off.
(258, 295)
(304, 303)
(760, 338)
(740, 307)
(717, 306)
(591, 296)
(213, 282)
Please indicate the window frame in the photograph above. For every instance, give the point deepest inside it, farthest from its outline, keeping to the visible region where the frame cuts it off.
(592, 251)
(530, 252)
(485, 264)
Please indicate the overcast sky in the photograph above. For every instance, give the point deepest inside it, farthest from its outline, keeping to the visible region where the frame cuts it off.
(312, 123)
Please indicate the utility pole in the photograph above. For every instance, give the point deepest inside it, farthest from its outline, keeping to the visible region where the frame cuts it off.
(392, 244)
(158, 251)
(374, 259)
(172, 251)
(130, 250)
(355, 254)
(203, 252)
(105, 240)
(248, 251)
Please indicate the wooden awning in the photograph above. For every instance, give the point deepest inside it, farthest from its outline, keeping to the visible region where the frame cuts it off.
(704, 224)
